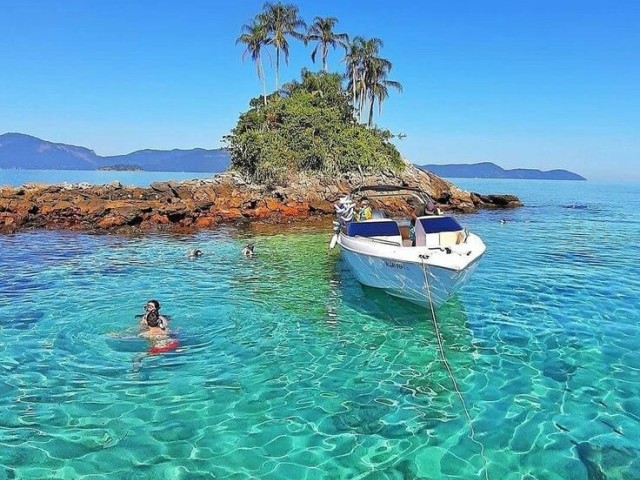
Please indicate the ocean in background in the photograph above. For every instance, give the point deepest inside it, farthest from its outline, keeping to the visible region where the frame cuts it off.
(289, 369)
(17, 178)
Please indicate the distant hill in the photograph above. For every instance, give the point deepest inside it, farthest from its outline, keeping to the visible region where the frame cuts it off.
(22, 151)
(30, 153)
(491, 170)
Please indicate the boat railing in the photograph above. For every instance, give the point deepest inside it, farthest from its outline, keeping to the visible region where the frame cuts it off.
(380, 240)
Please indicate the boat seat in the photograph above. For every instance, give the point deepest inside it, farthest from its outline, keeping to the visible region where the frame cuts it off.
(449, 239)
(438, 232)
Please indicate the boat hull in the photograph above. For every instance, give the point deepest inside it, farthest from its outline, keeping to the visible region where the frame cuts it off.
(411, 280)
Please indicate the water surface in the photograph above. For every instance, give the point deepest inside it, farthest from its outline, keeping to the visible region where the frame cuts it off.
(288, 368)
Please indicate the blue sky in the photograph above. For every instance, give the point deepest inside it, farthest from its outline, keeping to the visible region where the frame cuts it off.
(535, 84)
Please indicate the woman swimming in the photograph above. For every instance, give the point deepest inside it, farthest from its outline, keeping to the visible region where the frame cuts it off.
(153, 324)
(155, 327)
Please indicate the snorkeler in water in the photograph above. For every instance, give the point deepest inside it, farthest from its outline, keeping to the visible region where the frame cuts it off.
(154, 324)
(154, 327)
(248, 250)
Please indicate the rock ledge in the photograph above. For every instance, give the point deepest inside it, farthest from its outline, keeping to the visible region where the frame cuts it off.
(228, 197)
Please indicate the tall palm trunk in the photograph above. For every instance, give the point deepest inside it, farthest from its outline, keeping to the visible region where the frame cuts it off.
(263, 80)
(363, 94)
(353, 85)
(371, 102)
(277, 68)
(325, 52)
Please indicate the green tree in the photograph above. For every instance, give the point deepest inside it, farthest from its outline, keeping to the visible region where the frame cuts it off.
(367, 73)
(353, 60)
(308, 128)
(255, 37)
(282, 21)
(378, 85)
(321, 31)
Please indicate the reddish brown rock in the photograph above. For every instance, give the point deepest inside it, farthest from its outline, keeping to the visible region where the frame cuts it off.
(111, 221)
(228, 197)
(205, 222)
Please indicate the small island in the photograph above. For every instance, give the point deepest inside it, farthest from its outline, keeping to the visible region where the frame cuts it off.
(292, 159)
(121, 167)
(294, 152)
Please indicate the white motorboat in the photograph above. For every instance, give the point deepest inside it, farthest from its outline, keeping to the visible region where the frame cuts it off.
(422, 267)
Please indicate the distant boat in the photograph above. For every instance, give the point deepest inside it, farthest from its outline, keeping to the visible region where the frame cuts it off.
(429, 267)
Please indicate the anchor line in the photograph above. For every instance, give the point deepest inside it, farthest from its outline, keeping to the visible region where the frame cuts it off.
(447, 367)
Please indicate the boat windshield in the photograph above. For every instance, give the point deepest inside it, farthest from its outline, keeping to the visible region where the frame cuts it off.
(439, 224)
(385, 228)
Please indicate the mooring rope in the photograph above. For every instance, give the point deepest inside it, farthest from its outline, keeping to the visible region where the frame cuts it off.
(472, 433)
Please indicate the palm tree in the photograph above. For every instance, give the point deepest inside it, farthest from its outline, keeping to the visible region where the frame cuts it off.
(378, 85)
(255, 37)
(371, 64)
(367, 73)
(282, 20)
(353, 59)
(322, 32)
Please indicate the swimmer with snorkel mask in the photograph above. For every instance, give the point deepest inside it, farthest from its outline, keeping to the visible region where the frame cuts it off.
(155, 325)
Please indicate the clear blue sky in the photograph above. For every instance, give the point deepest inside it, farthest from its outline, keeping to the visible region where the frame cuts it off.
(528, 83)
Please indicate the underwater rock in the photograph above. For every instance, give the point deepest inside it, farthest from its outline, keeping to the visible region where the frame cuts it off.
(558, 370)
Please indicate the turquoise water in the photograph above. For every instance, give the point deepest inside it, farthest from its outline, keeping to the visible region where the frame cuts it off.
(288, 368)
(139, 179)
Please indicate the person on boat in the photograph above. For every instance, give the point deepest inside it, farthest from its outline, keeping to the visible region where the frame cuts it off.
(420, 210)
(248, 250)
(366, 213)
(152, 323)
(417, 211)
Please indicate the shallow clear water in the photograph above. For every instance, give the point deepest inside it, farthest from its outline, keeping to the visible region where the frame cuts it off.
(288, 368)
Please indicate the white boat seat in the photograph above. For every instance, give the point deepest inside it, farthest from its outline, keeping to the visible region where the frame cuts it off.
(449, 239)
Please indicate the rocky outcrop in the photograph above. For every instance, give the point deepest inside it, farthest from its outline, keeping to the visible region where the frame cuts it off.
(228, 197)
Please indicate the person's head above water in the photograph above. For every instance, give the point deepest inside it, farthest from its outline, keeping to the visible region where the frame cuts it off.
(248, 250)
(152, 305)
(152, 315)
(196, 252)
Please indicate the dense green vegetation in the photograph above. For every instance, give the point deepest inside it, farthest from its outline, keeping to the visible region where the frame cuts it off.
(309, 127)
(313, 125)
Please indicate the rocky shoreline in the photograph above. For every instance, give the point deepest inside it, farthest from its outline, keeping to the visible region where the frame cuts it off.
(201, 204)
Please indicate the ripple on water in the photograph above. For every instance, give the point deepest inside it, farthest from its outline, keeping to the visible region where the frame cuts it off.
(288, 368)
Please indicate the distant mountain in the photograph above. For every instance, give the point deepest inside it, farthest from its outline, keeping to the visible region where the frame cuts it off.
(195, 160)
(30, 153)
(491, 170)
(22, 151)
